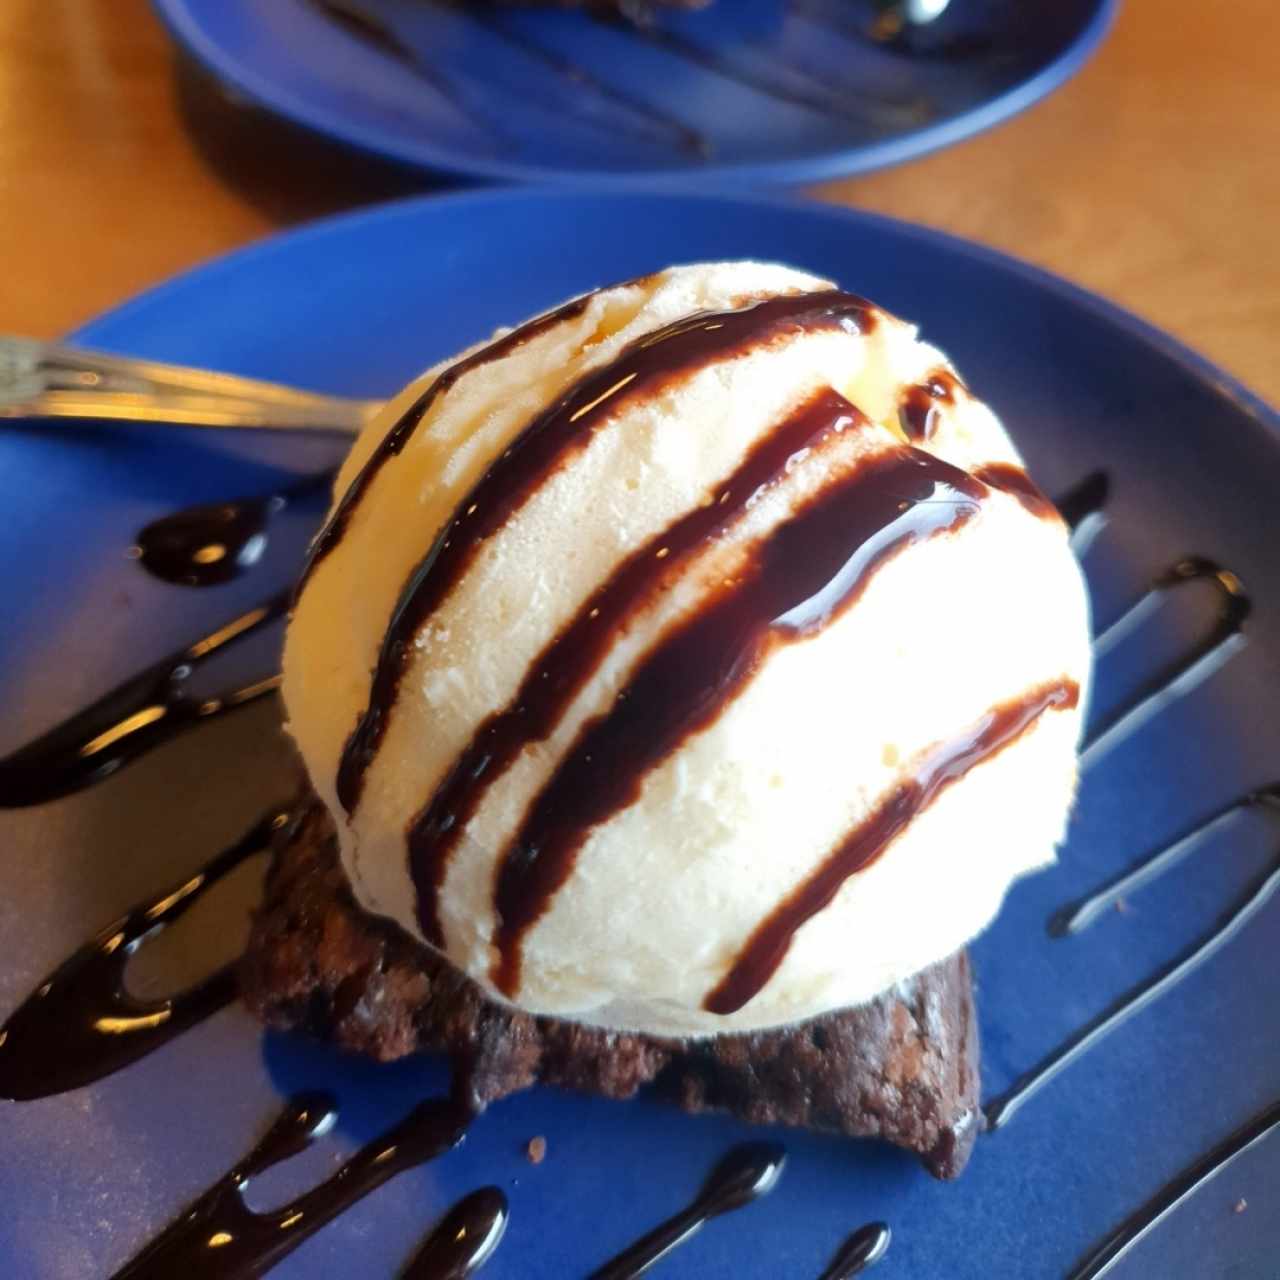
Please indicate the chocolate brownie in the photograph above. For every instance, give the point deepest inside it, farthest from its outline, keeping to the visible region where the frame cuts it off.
(903, 1068)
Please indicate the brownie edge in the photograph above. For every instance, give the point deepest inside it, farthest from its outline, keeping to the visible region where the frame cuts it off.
(903, 1068)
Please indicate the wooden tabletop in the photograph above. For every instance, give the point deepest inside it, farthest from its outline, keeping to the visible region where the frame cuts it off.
(1152, 177)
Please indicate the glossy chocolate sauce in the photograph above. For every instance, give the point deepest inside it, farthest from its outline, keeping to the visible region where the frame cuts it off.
(1078, 916)
(861, 1251)
(918, 404)
(767, 947)
(1101, 1259)
(807, 571)
(745, 1174)
(208, 544)
(548, 442)
(404, 427)
(147, 710)
(220, 1236)
(558, 674)
(1084, 500)
(464, 1239)
(1178, 677)
(1001, 1109)
(81, 1024)
(1014, 481)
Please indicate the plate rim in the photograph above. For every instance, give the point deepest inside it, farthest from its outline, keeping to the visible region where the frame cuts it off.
(189, 34)
(1250, 402)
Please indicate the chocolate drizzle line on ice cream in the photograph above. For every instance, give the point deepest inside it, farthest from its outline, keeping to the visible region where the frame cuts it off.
(220, 1235)
(918, 404)
(555, 435)
(558, 674)
(403, 429)
(1014, 481)
(81, 1023)
(798, 578)
(767, 947)
(463, 1240)
(743, 1176)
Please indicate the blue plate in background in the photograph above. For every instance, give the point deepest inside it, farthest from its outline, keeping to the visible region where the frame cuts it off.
(357, 305)
(749, 90)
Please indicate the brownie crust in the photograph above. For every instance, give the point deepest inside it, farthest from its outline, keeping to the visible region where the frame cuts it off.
(903, 1068)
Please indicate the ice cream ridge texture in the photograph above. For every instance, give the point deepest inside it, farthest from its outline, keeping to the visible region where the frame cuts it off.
(696, 657)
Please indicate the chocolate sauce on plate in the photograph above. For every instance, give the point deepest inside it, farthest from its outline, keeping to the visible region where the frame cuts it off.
(81, 1024)
(205, 545)
(145, 711)
(558, 674)
(464, 1239)
(1001, 1109)
(807, 571)
(1078, 916)
(1084, 500)
(221, 1238)
(767, 947)
(745, 1174)
(1103, 1257)
(862, 1250)
(547, 443)
(1177, 678)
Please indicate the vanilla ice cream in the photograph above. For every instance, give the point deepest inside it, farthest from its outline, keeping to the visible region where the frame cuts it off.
(711, 662)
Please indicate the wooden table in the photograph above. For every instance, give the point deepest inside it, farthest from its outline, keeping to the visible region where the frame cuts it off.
(1153, 177)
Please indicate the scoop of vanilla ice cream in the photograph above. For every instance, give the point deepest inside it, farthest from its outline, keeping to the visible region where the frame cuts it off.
(663, 896)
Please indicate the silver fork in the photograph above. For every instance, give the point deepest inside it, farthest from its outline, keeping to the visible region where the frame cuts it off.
(46, 381)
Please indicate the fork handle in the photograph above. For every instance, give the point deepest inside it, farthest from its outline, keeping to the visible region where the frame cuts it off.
(41, 380)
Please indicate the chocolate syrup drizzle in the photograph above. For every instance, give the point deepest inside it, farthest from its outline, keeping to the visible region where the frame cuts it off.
(1014, 481)
(810, 569)
(81, 1024)
(1078, 916)
(145, 711)
(464, 1239)
(918, 405)
(860, 1252)
(558, 674)
(551, 439)
(1101, 1259)
(1177, 678)
(1084, 500)
(208, 544)
(402, 431)
(746, 1173)
(1001, 1109)
(767, 947)
(219, 1235)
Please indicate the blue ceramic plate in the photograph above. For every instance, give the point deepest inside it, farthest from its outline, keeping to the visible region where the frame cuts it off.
(749, 90)
(358, 305)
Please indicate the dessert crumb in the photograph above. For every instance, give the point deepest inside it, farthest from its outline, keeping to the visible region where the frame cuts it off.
(1241, 1205)
(537, 1150)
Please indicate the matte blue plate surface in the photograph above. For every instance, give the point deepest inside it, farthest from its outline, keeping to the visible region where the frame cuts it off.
(358, 305)
(749, 90)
